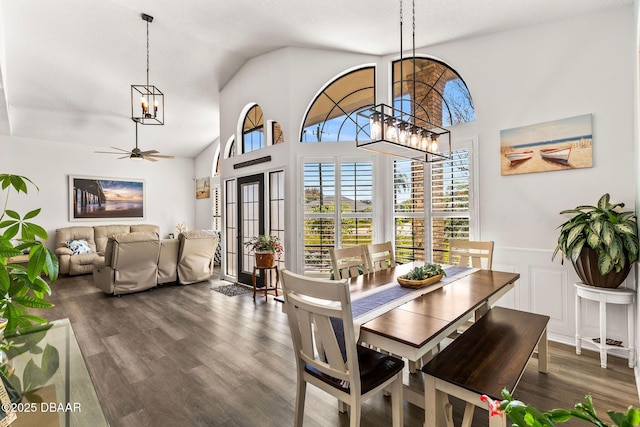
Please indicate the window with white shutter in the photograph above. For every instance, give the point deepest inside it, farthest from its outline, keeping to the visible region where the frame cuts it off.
(448, 212)
(338, 209)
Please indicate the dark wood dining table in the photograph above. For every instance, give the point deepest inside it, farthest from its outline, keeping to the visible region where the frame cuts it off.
(413, 329)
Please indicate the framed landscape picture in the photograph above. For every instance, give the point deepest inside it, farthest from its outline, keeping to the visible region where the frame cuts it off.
(203, 187)
(92, 198)
(549, 146)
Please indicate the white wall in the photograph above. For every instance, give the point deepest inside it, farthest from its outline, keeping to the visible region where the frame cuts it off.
(169, 188)
(204, 168)
(517, 78)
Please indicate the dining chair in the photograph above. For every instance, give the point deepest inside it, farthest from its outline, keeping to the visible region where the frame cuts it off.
(476, 254)
(326, 353)
(380, 256)
(471, 253)
(349, 262)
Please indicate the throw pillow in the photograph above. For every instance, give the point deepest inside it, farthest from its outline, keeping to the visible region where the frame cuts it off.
(79, 247)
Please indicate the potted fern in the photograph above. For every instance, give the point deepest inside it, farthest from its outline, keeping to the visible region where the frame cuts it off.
(601, 242)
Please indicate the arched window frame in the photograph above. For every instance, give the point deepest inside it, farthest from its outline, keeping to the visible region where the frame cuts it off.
(230, 148)
(350, 115)
(417, 107)
(256, 128)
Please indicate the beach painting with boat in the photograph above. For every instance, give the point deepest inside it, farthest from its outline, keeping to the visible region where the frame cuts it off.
(550, 146)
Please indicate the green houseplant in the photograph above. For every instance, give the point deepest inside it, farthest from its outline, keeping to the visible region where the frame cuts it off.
(265, 247)
(601, 242)
(523, 415)
(22, 287)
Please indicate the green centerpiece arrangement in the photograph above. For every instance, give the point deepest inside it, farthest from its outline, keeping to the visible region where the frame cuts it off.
(422, 276)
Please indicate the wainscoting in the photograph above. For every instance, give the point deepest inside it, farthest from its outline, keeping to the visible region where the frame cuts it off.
(546, 287)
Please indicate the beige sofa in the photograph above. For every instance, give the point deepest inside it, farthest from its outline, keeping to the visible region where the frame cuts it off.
(96, 238)
(129, 264)
(137, 261)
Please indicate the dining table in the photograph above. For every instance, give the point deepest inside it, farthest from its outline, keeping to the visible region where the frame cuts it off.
(412, 323)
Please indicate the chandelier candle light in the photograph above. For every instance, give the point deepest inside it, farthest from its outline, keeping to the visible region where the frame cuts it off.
(147, 101)
(395, 132)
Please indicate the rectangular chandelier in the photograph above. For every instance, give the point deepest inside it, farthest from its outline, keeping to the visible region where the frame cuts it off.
(147, 105)
(397, 133)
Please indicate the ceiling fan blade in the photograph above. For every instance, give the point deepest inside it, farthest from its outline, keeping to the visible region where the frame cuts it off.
(121, 149)
(151, 159)
(124, 157)
(149, 152)
(160, 156)
(106, 152)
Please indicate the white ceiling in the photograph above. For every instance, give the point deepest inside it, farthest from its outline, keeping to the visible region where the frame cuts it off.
(67, 65)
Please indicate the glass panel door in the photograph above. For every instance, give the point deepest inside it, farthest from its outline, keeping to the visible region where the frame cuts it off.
(250, 222)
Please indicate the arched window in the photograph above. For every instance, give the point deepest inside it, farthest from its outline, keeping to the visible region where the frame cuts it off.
(216, 161)
(253, 130)
(230, 148)
(331, 116)
(441, 96)
(277, 135)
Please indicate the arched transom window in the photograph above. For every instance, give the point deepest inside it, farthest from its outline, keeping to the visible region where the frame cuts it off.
(253, 130)
(439, 94)
(331, 116)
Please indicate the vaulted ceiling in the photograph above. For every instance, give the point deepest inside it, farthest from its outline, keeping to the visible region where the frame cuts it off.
(67, 65)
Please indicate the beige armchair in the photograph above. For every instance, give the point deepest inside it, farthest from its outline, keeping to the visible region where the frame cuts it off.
(79, 263)
(195, 260)
(130, 263)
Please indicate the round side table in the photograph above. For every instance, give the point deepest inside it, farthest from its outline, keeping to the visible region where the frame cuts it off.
(606, 296)
(266, 289)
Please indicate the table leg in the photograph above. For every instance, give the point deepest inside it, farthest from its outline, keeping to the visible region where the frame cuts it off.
(277, 280)
(264, 282)
(578, 323)
(603, 334)
(631, 334)
(543, 353)
(253, 282)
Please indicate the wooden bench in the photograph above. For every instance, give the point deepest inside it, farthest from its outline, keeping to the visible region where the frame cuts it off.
(490, 356)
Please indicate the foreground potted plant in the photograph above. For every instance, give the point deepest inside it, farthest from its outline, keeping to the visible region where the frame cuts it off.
(600, 241)
(265, 247)
(22, 287)
(523, 415)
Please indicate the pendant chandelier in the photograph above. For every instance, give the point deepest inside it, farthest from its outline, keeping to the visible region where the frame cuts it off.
(401, 133)
(147, 101)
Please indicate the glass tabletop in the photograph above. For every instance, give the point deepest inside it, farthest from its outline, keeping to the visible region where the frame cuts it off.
(47, 368)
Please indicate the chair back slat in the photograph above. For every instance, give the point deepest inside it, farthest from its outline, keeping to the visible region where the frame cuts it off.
(471, 254)
(349, 262)
(380, 256)
(311, 304)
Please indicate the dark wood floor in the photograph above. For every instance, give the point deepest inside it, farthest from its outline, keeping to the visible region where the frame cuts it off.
(189, 356)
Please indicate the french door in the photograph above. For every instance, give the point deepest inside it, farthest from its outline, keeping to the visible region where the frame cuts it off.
(251, 222)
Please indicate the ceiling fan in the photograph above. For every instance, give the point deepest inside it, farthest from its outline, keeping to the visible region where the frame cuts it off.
(136, 153)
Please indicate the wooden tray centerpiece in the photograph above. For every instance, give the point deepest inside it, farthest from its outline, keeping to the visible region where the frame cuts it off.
(419, 277)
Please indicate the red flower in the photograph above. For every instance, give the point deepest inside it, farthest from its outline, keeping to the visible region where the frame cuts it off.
(494, 405)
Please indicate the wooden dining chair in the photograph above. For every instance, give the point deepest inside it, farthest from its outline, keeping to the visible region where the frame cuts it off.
(471, 253)
(348, 262)
(380, 256)
(326, 353)
(474, 254)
